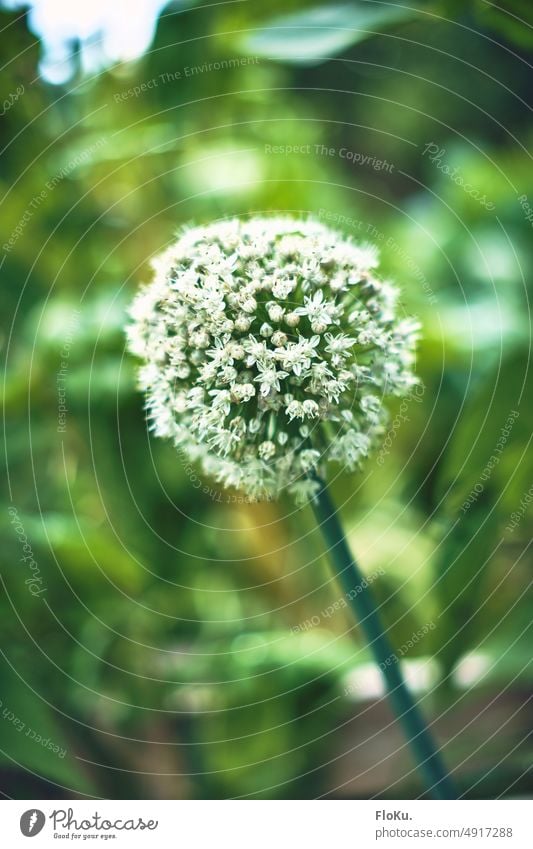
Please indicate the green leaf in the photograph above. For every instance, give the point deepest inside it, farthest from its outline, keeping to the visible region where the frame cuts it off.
(31, 737)
(482, 479)
(465, 551)
(514, 22)
(490, 443)
(314, 35)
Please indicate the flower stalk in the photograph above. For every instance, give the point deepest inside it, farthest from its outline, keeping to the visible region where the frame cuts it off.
(426, 753)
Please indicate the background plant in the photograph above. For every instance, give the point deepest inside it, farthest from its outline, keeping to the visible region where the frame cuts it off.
(177, 633)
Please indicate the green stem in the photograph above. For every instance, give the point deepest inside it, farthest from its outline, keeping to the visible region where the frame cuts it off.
(404, 706)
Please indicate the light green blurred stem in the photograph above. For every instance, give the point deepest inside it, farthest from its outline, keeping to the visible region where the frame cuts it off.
(424, 749)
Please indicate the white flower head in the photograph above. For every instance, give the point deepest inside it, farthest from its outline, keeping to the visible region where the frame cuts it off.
(267, 345)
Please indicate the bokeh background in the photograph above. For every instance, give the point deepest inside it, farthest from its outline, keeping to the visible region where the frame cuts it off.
(163, 639)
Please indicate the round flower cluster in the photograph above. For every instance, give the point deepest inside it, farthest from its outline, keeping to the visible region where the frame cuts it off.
(267, 346)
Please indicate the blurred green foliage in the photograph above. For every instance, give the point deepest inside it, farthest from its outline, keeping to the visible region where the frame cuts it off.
(163, 655)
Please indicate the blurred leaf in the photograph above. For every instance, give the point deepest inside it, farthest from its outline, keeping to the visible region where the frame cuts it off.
(314, 35)
(31, 737)
(482, 477)
(482, 324)
(460, 581)
(491, 437)
(86, 550)
(515, 22)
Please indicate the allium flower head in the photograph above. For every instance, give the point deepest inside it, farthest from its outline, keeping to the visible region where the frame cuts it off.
(268, 345)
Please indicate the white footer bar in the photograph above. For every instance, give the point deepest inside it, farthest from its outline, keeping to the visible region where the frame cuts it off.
(268, 824)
